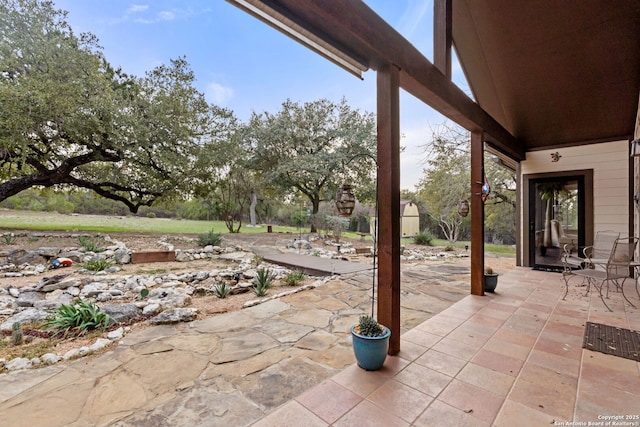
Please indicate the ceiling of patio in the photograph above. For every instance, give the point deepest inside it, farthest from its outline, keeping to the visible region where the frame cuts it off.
(553, 73)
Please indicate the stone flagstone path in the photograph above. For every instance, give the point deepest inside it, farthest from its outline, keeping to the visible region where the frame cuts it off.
(231, 369)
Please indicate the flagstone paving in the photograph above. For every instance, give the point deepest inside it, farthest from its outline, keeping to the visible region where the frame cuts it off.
(231, 369)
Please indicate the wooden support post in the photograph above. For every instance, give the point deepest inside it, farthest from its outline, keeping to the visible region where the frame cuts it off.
(442, 39)
(477, 213)
(388, 100)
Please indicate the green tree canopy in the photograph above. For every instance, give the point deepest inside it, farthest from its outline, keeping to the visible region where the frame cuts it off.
(311, 148)
(67, 118)
(446, 182)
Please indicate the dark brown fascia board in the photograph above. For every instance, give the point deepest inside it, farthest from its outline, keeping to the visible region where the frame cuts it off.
(581, 143)
(352, 26)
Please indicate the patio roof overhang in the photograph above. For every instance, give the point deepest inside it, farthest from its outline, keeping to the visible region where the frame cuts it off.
(544, 74)
(552, 73)
(355, 30)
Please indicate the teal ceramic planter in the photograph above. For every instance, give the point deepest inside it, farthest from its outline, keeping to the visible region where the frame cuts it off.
(370, 352)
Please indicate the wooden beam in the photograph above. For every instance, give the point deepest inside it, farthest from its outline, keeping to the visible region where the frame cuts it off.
(388, 108)
(477, 214)
(442, 39)
(354, 27)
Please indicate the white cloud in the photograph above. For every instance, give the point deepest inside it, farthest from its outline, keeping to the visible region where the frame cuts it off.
(218, 94)
(137, 8)
(141, 14)
(412, 158)
(412, 17)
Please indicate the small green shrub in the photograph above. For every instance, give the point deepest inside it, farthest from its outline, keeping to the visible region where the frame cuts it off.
(258, 259)
(294, 278)
(298, 218)
(337, 225)
(151, 215)
(262, 282)
(423, 238)
(16, 334)
(368, 327)
(210, 239)
(82, 316)
(449, 248)
(144, 292)
(98, 264)
(222, 290)
(90, 244)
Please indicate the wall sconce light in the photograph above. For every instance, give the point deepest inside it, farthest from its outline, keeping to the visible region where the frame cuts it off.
(345, 201)
(555, 157)
(635, 148)
(463, 208)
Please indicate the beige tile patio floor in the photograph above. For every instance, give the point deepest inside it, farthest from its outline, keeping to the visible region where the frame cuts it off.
(509, 359)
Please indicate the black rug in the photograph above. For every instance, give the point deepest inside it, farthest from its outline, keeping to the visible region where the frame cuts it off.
(611, 340)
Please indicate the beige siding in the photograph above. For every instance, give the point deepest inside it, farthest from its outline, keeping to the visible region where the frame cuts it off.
(609, 162)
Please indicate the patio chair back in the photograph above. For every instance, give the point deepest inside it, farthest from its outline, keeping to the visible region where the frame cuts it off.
(620, 257)
(602, 245)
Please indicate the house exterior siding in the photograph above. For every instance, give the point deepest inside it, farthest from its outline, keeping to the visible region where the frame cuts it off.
(610, 164)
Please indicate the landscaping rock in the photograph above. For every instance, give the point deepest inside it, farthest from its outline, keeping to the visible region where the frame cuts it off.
(17, 364)
(63, 284)
(50, 358)
(122, 256)
(26, 299)
(119, 313)
(28, 315)
(20, 256)
(174, 315)
(115, 334)
(99, 344)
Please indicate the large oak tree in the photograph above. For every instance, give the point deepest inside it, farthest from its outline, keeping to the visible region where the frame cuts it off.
(67, 118)
(312, 148)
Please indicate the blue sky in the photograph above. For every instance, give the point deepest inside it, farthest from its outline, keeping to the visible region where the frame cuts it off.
(243, 64)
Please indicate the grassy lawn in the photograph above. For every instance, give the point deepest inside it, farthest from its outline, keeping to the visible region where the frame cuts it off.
(502, 250)
(52, 221)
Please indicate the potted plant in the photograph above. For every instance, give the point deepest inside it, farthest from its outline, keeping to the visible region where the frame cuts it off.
(490, 279)
(370, 343)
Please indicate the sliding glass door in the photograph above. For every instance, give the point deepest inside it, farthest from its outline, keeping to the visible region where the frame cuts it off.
(556, 219)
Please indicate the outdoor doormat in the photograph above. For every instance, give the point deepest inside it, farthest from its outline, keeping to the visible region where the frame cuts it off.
(611, 340)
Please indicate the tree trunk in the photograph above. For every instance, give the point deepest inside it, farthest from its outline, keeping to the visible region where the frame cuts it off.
(315, 203)
(252, 208)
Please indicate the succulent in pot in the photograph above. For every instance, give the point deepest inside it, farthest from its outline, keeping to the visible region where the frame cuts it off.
(370, 343)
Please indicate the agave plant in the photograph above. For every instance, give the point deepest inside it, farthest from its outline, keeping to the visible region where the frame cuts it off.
(222, 290)
(262, 282)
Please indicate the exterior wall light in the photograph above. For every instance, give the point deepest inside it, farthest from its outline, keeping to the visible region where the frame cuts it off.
(635, 148)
